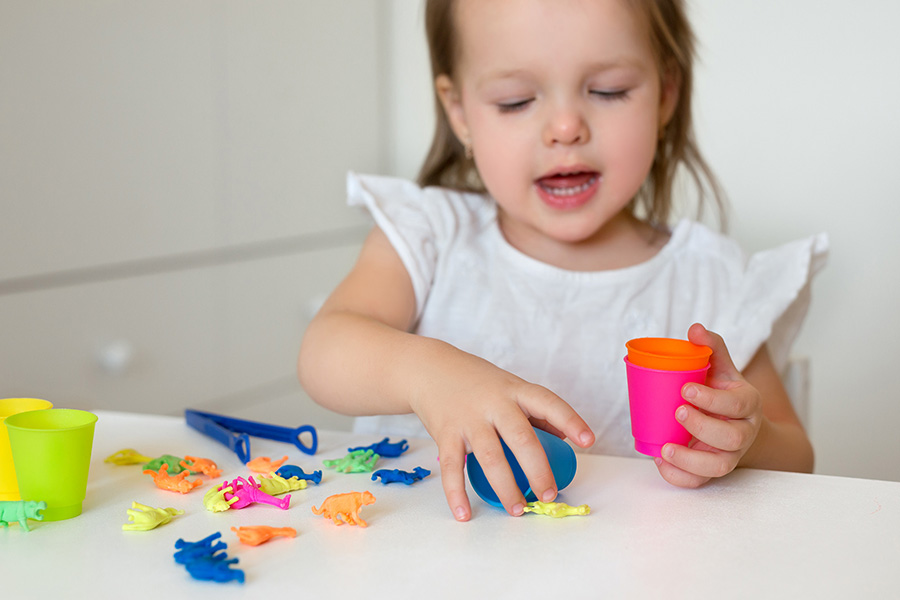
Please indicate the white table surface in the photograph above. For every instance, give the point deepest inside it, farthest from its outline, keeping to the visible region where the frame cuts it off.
(753, 534)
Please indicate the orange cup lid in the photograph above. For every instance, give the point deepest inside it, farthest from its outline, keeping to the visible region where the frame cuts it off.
(667, 354)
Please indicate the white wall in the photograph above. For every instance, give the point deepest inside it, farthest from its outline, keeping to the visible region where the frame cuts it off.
(195, 109)
(797, 112)
(172, 201)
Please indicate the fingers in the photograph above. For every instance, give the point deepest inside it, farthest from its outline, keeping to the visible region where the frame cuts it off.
(720, 363)
(679, 477)
(531, 457)
(490, 454)
(696, 464)
(453, 458)
(545, 407)
(724, 429)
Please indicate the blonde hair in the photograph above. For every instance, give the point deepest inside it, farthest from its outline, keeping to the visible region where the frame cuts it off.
(672, 40)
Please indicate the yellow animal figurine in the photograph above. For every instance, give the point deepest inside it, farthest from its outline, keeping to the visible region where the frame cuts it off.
(275, 484)
(145, 518)
(557, 510)
(214, 500)
(128, 456)
(344, 508)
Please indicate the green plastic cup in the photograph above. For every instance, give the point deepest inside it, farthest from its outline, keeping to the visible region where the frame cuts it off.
(52, 453)
(9, 489)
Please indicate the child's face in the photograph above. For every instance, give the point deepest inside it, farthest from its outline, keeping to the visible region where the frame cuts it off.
(562, 103)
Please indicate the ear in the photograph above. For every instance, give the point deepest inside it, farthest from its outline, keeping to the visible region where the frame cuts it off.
(451, 99)
(670, 91)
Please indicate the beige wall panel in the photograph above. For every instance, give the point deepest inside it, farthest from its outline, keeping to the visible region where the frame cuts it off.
(142, 129)
(220, 338)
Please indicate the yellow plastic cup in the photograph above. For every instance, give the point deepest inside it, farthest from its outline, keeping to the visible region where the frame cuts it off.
(667, 354)
(9, 489)
(52, 453)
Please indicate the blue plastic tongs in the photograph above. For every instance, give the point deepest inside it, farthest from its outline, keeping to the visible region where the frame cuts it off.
(234, 432)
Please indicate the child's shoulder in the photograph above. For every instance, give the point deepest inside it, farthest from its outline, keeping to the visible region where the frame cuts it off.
(431, 214)
(364, 189)
(693, 238)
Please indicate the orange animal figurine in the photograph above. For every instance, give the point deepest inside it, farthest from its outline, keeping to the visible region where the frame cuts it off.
(344, 508)
(264, 464)
(201, 465)
(257, 534)
(176, 483)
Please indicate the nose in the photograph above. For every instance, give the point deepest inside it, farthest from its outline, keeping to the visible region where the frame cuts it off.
(566, 125)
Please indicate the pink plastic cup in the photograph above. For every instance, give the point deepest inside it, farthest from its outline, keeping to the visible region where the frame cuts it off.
(653, 396)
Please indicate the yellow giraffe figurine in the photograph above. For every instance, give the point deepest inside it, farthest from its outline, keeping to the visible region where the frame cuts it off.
(557, 510)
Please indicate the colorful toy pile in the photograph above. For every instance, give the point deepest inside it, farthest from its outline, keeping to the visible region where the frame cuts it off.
(206, 559)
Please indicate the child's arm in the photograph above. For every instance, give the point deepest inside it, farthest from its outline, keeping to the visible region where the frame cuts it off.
(744, 419)
(359, 358)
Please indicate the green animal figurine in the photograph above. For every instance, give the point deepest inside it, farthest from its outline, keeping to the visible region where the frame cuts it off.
(12, 511)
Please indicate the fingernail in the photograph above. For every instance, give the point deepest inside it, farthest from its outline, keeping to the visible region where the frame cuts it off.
(689, 392)
(658, 461)
(518, 509)
(548, 495)
(668, 451)
(460, 513)
(681, 413)
(585, 438)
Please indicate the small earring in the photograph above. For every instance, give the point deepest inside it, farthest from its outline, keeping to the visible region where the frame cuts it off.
(467, 148)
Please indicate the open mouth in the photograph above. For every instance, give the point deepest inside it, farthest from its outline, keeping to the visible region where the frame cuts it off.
(568, 190)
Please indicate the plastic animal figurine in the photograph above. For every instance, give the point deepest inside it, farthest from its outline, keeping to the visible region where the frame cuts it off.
(289, 471)
(398, 476)
(214, 500)
(557, 509)
(258, 534)
(202, 561)
(344, 508)
(19, 511)
(248, 492)
(215, 568)
(188, 551)
(178, 483)
(275, 485)
(145, 518)
(201, 465)
(264, 464)
(385, 448)
(358, 461)
(174, 463)
(128, 456)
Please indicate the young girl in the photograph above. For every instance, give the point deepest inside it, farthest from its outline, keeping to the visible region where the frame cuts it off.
(500, 294)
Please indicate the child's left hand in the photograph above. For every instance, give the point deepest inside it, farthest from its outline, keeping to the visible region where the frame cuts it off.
(724, 416)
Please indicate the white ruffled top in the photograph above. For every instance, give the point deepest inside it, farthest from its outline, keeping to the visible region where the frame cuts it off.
(566, 330)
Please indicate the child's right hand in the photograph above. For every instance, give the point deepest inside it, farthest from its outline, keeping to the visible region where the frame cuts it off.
(358, 357)
(468, 404)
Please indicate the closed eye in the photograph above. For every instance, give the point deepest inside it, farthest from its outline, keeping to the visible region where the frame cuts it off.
(509, 107)
(610, 94)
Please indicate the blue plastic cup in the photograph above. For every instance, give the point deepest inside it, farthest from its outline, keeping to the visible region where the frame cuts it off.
(559, 454)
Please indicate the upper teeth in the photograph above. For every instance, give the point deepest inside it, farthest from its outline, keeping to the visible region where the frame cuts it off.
(571, 191)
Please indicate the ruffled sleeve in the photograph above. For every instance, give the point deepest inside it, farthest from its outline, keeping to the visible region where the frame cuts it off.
(772, 300)
(398, 209)
(422, 224)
